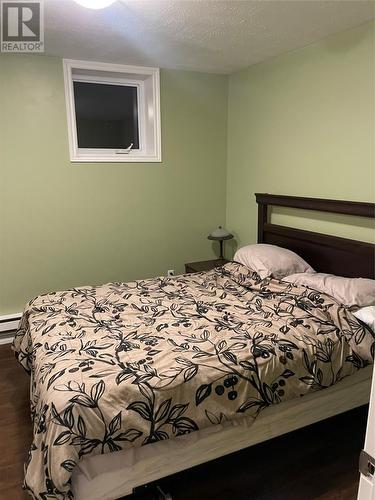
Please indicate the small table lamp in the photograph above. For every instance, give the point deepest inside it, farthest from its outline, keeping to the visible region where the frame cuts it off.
(220, 234)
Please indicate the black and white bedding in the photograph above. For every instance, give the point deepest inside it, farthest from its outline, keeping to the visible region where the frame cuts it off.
(127, 364)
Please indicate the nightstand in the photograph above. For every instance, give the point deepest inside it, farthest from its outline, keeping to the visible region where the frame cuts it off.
(204, 265)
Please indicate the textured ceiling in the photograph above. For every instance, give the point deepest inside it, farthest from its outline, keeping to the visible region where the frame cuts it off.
(219, 36)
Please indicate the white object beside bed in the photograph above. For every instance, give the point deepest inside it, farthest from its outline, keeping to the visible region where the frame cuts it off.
(110, 476)
(367, 316)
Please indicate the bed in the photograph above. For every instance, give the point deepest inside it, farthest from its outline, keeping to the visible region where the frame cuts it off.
(131, 382)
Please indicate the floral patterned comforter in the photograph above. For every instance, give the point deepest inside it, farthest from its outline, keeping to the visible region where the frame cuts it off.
(127, 364)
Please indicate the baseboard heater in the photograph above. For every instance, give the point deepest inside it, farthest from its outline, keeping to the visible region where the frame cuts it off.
(8, 325)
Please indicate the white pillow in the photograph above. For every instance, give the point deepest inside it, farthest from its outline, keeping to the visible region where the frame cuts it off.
(271, 260)
(359, 292)
(367, 316)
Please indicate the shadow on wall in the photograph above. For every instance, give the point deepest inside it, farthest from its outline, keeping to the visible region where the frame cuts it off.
(230, 247)
(344, 43)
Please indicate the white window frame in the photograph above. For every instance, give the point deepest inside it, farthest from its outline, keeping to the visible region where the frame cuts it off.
(147, 82)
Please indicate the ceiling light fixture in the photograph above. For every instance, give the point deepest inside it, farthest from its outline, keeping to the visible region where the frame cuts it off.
(95, 4)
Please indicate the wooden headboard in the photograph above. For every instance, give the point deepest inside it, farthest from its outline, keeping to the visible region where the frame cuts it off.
(325, 253)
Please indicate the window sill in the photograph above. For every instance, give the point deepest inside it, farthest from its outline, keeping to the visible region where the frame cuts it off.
(115, 159)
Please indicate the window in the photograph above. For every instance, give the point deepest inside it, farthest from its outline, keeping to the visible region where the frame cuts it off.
(106, 115)
(113, 112)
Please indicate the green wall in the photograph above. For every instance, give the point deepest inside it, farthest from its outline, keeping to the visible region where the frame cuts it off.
(65, 224)
(303, 124)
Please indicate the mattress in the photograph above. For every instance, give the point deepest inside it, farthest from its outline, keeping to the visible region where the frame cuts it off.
(103, 477)
(110, 476)
(124, 365)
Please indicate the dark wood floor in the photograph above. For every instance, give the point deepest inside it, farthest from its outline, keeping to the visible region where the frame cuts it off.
(15, 428)
(319, 462)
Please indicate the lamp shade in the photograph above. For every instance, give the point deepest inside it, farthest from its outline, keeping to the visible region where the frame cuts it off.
(220, 233)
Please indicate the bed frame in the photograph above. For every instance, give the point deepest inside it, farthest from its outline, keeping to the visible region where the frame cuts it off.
(325, 253)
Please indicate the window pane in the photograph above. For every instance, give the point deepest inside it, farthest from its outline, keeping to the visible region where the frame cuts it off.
(106, 115)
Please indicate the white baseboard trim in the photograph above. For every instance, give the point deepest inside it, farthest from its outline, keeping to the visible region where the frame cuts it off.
(7, 338)
(8, 325)
(9, 322)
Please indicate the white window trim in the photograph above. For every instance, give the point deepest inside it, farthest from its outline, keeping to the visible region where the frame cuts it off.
(153, 108)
